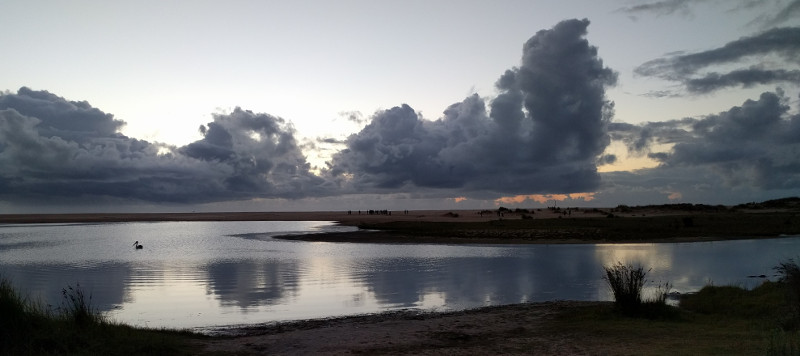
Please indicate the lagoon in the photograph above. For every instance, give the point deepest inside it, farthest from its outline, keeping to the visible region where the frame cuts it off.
(214, 274)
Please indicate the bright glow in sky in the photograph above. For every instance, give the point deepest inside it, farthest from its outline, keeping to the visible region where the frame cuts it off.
(165, 67)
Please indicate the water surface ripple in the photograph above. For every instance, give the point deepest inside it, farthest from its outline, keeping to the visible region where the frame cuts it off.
(201, 274)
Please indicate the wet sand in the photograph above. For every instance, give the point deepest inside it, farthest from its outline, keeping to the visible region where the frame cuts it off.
(508, 330)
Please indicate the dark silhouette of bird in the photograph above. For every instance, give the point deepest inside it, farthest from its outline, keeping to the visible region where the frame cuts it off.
(137, 246)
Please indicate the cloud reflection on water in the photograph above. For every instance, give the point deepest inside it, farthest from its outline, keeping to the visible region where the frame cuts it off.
(261, 280)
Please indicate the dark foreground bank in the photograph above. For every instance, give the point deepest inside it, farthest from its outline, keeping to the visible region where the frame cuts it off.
(717, 320)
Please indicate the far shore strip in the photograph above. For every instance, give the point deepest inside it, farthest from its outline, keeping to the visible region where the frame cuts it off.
(352, 217)
(358, 218)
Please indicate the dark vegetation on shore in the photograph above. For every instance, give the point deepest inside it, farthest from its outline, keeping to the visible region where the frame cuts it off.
(621, 224)
(725, 225)
(29, 327)
(761, 321)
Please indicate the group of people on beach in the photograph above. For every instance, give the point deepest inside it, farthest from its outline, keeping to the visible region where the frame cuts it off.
(376, 212)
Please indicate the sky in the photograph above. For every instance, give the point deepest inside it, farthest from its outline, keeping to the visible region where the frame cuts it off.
(338, 105)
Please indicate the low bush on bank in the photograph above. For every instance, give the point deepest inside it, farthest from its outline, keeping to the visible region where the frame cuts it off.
(28, 327)
(789, 273)
(763, 302)
(627, 283)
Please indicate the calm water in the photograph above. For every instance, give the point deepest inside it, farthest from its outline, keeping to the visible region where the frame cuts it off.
(201, 274)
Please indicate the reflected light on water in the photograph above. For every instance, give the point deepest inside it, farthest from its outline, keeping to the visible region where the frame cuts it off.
(656, 257)
(203, 274)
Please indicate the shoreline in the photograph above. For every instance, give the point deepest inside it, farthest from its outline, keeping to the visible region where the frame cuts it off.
(541, 327)
(480, 330)
(388, 237)
(345, 217)
(587, 226)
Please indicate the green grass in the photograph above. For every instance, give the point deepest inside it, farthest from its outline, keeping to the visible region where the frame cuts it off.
(27, 327)
(716, 321)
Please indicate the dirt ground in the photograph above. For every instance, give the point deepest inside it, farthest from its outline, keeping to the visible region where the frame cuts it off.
(507, 330)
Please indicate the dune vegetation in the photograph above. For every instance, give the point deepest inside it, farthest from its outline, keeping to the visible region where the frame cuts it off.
(30, 327)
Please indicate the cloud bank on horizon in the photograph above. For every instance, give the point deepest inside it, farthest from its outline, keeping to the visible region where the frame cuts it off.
(545, 133)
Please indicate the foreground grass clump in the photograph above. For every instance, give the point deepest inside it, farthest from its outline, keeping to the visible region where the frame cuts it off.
(789, 272)
(626, 283)
(764, 302)
(28, 327)
(717, 320)
(766, 308)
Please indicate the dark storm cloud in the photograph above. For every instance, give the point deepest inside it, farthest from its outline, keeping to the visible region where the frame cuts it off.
(754, 144)
(69, 120)
(745, 77)
(330, 140)
(782, 43)
(261, 151)
(685, 8)
(545, 133)
(791, 11)
(52, 148)
(666, 7)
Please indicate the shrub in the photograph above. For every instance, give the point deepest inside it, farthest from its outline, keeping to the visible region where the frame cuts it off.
(28, 327)
(764, 301)
(626, 282)
(77, 308)
(789, 273)
(783, 343)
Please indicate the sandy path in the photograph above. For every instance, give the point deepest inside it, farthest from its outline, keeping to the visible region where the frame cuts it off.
(509, 330)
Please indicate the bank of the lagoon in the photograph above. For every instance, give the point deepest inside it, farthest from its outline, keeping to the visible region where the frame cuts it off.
(717, 320)
(254, 277)
(218, 273)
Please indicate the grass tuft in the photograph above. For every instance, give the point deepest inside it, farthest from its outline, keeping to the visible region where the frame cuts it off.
(789, 273)
(627, 282)
(77, 308)
(29, 328)
(783, 343)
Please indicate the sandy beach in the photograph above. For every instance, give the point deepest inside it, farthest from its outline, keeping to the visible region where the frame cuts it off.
(508, 330)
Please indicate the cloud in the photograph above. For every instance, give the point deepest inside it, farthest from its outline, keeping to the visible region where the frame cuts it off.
(782, 43)
(75, 121)
(686, 8)
(790, 11)
(544, 134)
(752, 145)
(353, 116)
(745, 77)
(545, 198)
(52, 148)
(665, 7)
